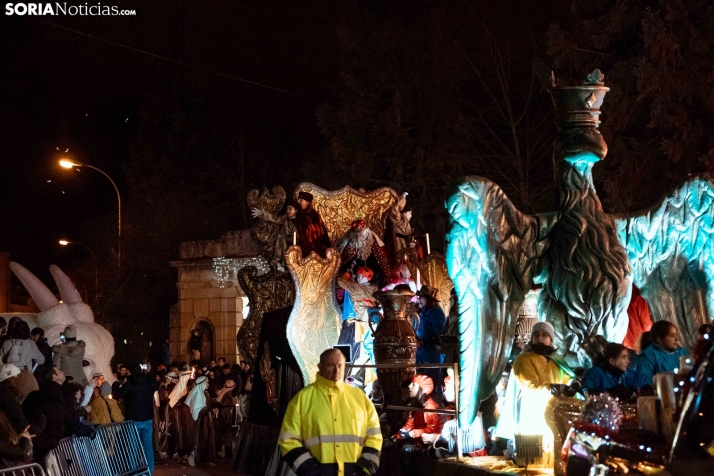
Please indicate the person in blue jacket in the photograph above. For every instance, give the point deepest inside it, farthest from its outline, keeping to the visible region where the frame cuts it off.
(431, 326)
(613, 374)
(660, 351)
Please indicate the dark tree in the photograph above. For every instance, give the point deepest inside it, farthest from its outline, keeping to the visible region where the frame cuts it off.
(657, 119)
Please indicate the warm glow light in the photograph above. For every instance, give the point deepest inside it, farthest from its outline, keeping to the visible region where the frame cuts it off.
(68, 164)
(63, 242)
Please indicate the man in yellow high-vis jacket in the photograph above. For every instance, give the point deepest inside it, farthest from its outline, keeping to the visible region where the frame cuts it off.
(331, 428)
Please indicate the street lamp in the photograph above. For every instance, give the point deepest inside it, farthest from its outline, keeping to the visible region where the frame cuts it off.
(69, 164)
(94, 258)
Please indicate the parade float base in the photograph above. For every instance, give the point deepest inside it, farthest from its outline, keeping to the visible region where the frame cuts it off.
(484, 466)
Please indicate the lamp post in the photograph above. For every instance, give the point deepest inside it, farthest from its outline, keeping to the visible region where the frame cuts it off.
(94, 258)
(68, 164)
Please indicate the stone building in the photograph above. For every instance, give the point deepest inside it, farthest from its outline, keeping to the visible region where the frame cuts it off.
(209, 297)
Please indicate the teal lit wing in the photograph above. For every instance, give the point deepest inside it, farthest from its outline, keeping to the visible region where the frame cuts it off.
(671, 251)
(492, 253)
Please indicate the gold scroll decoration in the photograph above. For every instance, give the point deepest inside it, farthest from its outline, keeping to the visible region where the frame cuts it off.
(340, 208)
(267, 373)
(266, 292)
(432, 272)
(435, 275)
(314, 323)
(265, 232)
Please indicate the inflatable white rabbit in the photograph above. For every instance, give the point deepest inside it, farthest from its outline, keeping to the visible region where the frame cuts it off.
(55, 315)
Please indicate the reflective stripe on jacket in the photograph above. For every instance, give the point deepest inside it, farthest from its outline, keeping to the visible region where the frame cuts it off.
(331, 422)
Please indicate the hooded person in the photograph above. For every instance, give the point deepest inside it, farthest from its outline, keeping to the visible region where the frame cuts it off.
(182, 427)
(179, 391)
(199, 401)
(528, 392)
(104, 408)
(226, 403)
(69, 355)
(311, 231)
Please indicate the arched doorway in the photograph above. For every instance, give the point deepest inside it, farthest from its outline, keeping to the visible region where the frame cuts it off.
(206, 330)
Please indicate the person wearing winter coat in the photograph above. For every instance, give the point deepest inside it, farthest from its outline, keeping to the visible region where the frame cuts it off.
(61, 419)
(20, 349)
(431, 326)
(15, 447)
(10, 403)
(528, 392)
(660, 351)
(421, 427)
(139, 407)
(613, 374)
(420, 424)
(38, 336)
(104, 409)
(69, 355)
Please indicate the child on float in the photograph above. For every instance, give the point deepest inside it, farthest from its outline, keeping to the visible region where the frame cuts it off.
(614, 375)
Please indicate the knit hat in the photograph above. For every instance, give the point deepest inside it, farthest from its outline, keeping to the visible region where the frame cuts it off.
(105, 389)
(70, 332)
(307, 196)
(544, 327)
(8, 371)
(425, 382)
(357, 223)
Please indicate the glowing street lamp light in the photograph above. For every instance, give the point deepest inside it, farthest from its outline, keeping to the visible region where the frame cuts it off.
(69, 164)
(94, 258)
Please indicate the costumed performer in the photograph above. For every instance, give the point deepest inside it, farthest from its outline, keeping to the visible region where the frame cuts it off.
(431, 326)
(614, 375)
(287, 228)
(205, 440)
(361, 246)
(355, 319)
(227, 403)
(399, 233)
(181, 427)
(528, 391)
(660, 351)
(311, 231)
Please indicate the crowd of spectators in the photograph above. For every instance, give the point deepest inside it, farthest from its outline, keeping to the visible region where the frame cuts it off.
(46, 396)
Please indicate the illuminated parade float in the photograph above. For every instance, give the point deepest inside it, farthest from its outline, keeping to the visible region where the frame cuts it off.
(345, 269)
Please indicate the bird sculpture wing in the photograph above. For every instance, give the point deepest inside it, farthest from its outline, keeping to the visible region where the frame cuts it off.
(492, 256)
(671, 250)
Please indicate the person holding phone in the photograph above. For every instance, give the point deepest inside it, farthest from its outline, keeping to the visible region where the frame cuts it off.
(69, 355)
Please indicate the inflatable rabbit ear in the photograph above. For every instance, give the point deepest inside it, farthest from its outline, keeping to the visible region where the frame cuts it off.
(68, 293)
(39, 293)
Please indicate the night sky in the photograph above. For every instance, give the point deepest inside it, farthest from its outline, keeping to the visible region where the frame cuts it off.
(159, 100)
(62, 90)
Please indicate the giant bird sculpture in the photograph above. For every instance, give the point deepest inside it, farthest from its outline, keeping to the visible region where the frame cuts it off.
(585, 259)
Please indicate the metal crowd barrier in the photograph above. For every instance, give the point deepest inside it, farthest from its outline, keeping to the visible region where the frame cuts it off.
(116, 451)
(33, 469)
